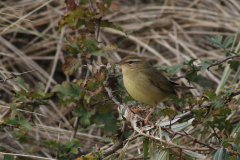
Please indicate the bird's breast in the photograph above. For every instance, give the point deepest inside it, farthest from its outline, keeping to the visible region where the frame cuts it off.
(140, 88)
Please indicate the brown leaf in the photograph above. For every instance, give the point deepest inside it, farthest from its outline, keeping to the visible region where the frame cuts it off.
(71, 5)
(98, 90)
(71, 65)
(233, 106)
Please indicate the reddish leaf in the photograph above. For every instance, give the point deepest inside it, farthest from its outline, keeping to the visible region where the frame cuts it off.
(71, 65)
(71, 5)
(102, 10)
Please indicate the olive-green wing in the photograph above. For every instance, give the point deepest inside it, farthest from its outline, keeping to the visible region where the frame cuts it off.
(156, 78)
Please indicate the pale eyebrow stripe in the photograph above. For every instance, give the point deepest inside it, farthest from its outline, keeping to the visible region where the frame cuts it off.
(135, 60)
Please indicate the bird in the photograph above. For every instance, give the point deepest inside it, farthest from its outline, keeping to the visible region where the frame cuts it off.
(145, 83)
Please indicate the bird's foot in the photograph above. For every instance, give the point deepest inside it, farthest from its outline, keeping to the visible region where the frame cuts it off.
(147, 119)
(136, 110)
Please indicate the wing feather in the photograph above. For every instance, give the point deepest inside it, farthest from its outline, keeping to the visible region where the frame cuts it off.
(159, 80)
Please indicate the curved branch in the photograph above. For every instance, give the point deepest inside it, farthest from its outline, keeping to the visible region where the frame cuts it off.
(198, 69)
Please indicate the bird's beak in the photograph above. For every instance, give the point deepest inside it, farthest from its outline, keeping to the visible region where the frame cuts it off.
(119, 63)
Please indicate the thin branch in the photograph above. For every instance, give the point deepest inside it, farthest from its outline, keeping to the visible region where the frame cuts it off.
(117, 145)
(75, 128)
(198, 69)
(229, 57)
(14, 75)
(9, 148)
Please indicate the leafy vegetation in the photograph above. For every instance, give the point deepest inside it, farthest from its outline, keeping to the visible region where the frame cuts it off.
(200, 124)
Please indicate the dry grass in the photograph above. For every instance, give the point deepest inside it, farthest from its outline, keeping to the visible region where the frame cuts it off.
(167, 32)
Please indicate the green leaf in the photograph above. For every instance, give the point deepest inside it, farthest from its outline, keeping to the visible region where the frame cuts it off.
(62, 102)
(145, 148)
(190, 62)
(205, 84)
(218, 102)
(8, 157)
(69, 144)
(56, 145)
(71, 65)
(84, 115)
(74, 19)
(174, 69)
(194, 154)
(73, 48)
(210, 94)
(68, 89)
(40, 92)
(98, 53)
(234, 145)
(199, 112)
(169, 112)
(228, 40)
(12, 120)
(205, 64)
(77, 143)
(23, 92)
(106, 23)
(110, 123)
(73, 150)
(90, 45)
(194, 77)
(171, 70)
(40, 89)
(219, 154)
(233, 64)
(218, 40)
(228, 53)
(226, 155)
(22, 82)
(26, 124)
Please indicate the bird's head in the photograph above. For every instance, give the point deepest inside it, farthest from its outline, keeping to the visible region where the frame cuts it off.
(133, 62)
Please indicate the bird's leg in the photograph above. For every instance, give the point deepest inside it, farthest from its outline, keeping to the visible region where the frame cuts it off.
(136, 110)
(148, 116)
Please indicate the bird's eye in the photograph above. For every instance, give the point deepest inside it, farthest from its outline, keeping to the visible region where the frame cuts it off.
(130, 62)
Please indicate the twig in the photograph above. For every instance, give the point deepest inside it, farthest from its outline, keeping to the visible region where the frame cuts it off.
(6, 113)
(75, 128)
(198, 69)
(115, 147)
(14, 75)
(229, 57)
